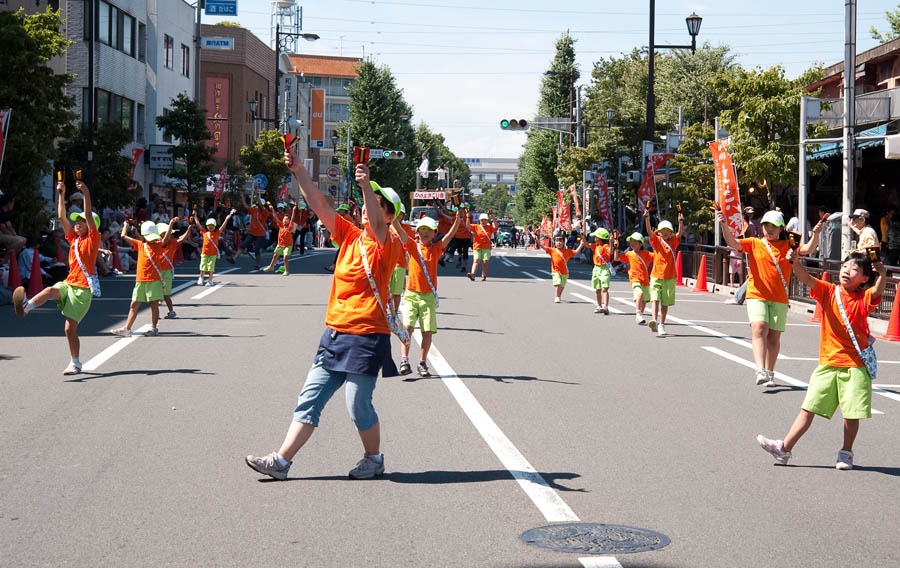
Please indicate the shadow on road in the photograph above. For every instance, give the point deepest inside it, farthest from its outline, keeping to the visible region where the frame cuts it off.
(783, 388)
(471, 329)
(441, 477)
(892, 471)
(147, 372)
(498, 378)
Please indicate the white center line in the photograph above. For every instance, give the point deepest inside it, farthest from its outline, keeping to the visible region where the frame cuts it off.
(119, 345)
(548, 501)
(594, 301)
(532, 275)
(209, 291)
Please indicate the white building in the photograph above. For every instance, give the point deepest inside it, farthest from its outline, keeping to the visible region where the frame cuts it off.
(491, 172)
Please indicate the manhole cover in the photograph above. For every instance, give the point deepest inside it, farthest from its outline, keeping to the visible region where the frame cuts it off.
(594, 538)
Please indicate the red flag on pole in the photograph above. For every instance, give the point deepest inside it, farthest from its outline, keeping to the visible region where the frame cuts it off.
(220, 187)
(648, 188)
(575, 199)
(555, 217)
(603, 204)
(727, 187)
(565, 218)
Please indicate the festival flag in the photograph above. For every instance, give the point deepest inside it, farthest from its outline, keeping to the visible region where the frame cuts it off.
(4, 130)
(603, 203)
(565, 218)
(555, 218)
(727, 192)
(648, 188)
(575, 199)
(220, 187)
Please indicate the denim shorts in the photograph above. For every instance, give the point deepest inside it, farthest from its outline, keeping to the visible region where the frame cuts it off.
(320, 386)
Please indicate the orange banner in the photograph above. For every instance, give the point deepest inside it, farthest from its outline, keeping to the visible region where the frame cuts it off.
(575, 199)
(317, 124)
(727, 193)
(603, 204)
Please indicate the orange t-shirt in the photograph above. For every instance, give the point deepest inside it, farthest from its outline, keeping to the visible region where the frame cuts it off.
(463, 232)
(402, 260)
(601, 253)
(639, 271)
(835, 346)
(559, 259)
(482, 235)
(765, 282)
(444, 224)
(663, 257)
(145, 270)
(87, 248)
(352, 307)
(258, 218)
(210, 242)
(169, 251)
(430, 254)
(278, 218)
(286, 235)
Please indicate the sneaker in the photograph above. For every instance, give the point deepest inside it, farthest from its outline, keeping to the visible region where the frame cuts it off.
(556, 300)
(367, 468)
(74, 369)
(152, 332)
(122, 332)
(730, 301)
(604, 311)
(597, 310)
(285, 273)
(483, 278)
(268, 269)
(405, 369)
(200, 281)
(771, 382)
(776, 448)
(268, 465)
(662, 330)
(209, 283)
(470, 276)
(639, 319)
(762, 377)
(844, 460)
(653, 325)
(422, 369)
(18, 301)
(171, 315)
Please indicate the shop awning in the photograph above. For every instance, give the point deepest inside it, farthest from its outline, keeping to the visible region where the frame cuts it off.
(829, 149)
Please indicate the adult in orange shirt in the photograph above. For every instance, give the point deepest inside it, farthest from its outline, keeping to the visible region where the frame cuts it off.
(842, 378)
(639, 261)
(662, 278)
(73, 296)
(166, 263)
(603, 250)
(356, 343)
(256, 232)
(482, 234)
(767, 287)
(559, 264)
(148, 285)
(421, 300)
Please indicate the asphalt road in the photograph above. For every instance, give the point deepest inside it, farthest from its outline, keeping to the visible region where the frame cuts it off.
(546, 412)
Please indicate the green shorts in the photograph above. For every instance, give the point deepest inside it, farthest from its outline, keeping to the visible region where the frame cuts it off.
(600, 277)
(167, 279)
(483, 254)
(641, 292)
(397, 284)
(207, 263)
(419, 307)
(283, 251)
(772, 313)
(74, 302)
(847, 387)
(559, 279)
(662, 290)
(147, 292)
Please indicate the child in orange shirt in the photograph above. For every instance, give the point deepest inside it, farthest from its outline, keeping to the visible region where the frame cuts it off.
(286, 228)
(148, 285)
(601, 273)
(166, 262)
(559, 259)
(639, 261)
(662, 278)
(482, 233)
(847, 363)
(210, 251)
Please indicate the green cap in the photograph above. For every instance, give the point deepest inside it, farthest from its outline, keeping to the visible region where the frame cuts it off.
(390, 195)
(74, 217)
(343, 207)
(601, 233)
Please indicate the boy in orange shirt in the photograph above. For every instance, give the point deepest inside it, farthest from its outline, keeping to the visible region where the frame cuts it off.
(639, 261)
(256, 232)
(210, 251)
(421, 301)
(559, 259)
(73, 296)
(356, 345)
(166, 263)
(847, 364)
(662, 278)
(601, 273)
(285, 241)
(482, 233)
(148, 285)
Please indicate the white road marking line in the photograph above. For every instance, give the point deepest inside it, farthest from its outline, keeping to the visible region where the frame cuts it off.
(593, 302)
(748, 323)
(510, 262)
(780, 376)
(599, 562)
(206, 293)
(119, 345)
(548, 501)
(227, 271)
(532, 275)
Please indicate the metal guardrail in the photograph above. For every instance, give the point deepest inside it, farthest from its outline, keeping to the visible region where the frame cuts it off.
(717, 272)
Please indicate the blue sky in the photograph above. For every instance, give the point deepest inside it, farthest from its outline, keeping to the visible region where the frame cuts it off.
(464, 65)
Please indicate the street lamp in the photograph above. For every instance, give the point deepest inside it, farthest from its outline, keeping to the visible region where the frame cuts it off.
(282, 39)
(610, 113)
(693, 26)
(252, 104)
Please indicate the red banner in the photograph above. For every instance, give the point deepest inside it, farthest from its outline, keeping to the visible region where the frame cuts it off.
(603, 202)
(648, 188)
(217, 95)
(220, 187)
(575, 199)
(555, 209)
(545, 225)
(565, 218)
(727, 192)
(135, 156)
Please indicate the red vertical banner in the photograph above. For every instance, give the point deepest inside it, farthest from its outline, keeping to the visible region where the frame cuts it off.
(727, 192)
(135, 156)
(555, 209)
(565, 218)
(317, 122)
(647, 191)
(575, 199)
(220, 187)
(217, 97)
(603, 202)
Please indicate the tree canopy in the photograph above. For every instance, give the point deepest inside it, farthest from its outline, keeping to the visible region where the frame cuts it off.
(186, 122)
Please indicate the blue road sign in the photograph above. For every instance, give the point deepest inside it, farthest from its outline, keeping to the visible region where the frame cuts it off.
(261, 181)
(221, 7)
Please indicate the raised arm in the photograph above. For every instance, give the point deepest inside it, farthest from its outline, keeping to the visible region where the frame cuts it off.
(878, 288)
(730, 239)
(61, 207)
(243, 200)
(680, 225)
(451, 232)
(168, 235)
(650, 230)
(124, 234)
(579, 247)
(800, 270)
(88, 208)
(808, 248)
(401, 232)
(314, 198)
(370, 202)
(227, 218)
(186, 234)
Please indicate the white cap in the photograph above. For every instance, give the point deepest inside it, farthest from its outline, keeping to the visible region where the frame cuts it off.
(773, 218)
(483, 217)
(76, 195)
(860, 213)
(210, 221)
(665, 225)
(149, 231)
(427, 222)
(635, 237)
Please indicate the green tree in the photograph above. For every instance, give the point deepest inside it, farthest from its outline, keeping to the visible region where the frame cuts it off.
(694, 186)
(266, 156)
(41, 112)
(495, 198)
(376, 108)
(893, 18)
(537, 166)
(228, 24)
(186, 122)
(434, 145)
(111, 184)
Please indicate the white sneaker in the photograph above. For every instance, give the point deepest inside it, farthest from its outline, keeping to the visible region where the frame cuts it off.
(776, 448)
(209, 283)
(662, 330)
(771, 382)
(597, 310)
(367, 468)
(653, 325)
(152, 332)
(200, 281)
(639, 319)
(122, 332)
(556, 300)
(762, 377)
(74, 368)
(844, 460)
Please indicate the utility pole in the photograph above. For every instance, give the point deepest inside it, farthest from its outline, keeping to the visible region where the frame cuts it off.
(849, 119)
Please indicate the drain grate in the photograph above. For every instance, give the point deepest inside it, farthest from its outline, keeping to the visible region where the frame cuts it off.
(594, 538)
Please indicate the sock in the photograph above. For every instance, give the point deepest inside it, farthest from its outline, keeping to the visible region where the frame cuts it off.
(377, 458)
(29, 305)
(76, 361)
(404, 359)
(281, 461)
(422, 362)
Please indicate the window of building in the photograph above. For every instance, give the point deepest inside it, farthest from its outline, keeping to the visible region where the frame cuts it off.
(139, 124)
(337, 112)
(126, 116)
(115, 38)
(142, 42)
(128, 34)
(103, 22)
(170, 52)
(101, 98)
(185, 60)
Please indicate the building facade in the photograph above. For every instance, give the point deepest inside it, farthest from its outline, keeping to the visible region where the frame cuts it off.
(488, 172)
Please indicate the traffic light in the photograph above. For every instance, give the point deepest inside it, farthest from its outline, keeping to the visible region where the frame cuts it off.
(514, 124)
(394, 154)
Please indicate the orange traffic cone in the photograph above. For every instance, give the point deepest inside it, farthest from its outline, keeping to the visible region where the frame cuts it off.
(893, 331)
(817, 315)
(35, 281)
(679, 281)
(60, 257)
(700, 285)
(14, 280)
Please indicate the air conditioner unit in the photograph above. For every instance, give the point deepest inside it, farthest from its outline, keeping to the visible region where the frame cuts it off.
(892, 147)
(633, 176)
